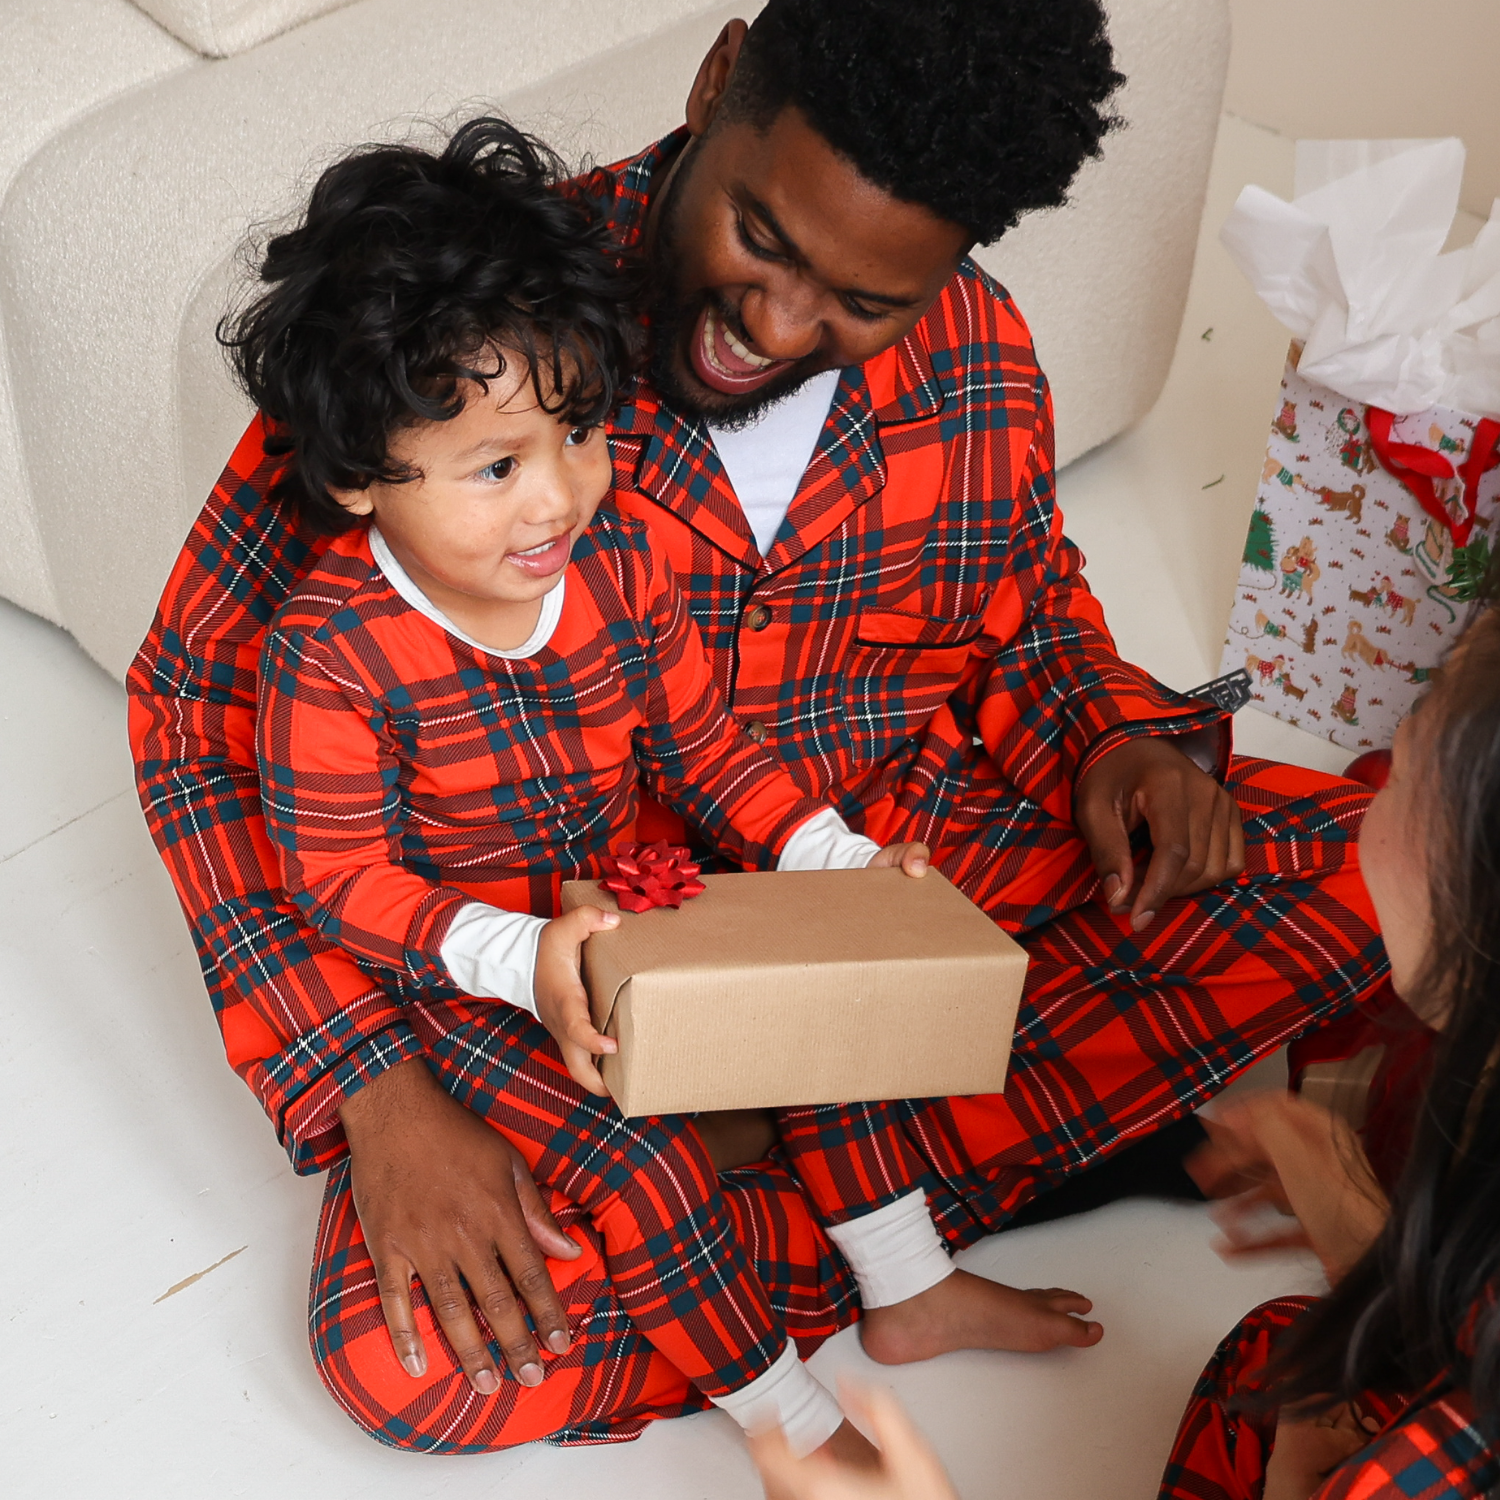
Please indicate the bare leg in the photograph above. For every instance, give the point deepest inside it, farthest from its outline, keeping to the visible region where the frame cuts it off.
(964, 1311)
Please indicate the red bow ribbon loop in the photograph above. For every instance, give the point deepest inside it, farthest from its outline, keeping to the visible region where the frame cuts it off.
(643, 876)
(1417, 467)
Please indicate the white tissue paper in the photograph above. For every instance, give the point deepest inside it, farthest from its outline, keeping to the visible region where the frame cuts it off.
(1354, 267)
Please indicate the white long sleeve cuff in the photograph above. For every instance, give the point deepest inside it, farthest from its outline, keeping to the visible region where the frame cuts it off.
(826, 842)
(492, 953)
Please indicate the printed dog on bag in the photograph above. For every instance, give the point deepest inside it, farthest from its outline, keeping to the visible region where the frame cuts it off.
(1433, 503)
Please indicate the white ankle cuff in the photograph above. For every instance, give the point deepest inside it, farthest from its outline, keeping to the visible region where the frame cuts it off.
(894, 1252)
(791, 1395)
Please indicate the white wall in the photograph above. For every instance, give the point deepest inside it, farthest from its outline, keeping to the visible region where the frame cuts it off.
(1374, 68)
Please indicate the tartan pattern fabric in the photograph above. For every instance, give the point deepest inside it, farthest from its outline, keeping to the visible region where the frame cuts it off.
(1425, 1449)
(405, 773)
(686, 1284)
(920, 594)
(1118, 1033)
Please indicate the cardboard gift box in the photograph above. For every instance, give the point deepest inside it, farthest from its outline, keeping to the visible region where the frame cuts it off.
(801, 987)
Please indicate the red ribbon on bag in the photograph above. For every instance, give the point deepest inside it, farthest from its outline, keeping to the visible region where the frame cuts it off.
(1417, 467)
(643, 876)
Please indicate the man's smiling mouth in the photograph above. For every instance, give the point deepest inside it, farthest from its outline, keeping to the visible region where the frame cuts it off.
(722, 360)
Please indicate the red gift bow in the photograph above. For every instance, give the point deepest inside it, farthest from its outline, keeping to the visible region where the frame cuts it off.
(1416, 467)
(643, 876)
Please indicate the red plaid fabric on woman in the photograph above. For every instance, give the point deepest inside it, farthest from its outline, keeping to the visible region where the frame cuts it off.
(1424, 1449)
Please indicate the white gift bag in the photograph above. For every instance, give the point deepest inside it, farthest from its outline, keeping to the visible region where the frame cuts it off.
(1377, 509)
(1356, 575)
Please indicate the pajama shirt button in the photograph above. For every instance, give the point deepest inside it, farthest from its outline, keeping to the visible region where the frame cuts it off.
(758, 617)
(757, 731)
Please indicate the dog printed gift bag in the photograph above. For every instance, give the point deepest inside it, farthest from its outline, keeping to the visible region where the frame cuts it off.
(1379, 503)
(1352, 584)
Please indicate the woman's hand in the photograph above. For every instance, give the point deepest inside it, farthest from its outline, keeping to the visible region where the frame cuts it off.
(1274, 1151)
(562, 1003)
(912, 858)
(444, 1198)
(1307, 1452)
(909, 1469)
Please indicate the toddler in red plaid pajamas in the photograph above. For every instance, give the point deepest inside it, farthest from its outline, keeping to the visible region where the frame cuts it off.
(460, 699)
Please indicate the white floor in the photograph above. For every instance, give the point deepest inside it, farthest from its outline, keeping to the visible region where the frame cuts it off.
(155, 1242)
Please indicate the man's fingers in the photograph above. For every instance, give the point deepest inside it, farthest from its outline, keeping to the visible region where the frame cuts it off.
(1163, 875)
(496, 1299)
(393, 1278)
(550, 1238)
(1236, 840)
(1103, 829)
(450, 1306)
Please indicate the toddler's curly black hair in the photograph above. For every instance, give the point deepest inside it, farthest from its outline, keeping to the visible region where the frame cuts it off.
(980, 110)
(411, 272)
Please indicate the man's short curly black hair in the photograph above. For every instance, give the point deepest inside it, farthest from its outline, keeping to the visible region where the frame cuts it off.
(979, 110)
(411, 272)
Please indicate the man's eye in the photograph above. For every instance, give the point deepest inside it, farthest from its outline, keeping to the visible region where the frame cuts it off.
(761, 252)
(579, 436)
(862, 312)
(502, 468)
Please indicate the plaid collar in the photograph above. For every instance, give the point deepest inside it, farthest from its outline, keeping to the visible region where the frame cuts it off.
(674, 456)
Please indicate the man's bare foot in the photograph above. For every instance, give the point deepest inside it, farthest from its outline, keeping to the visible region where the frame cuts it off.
(848, 1447)
(736, 1137)
(969, 1312)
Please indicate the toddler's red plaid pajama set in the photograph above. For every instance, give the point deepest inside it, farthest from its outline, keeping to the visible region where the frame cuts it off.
(919, 649)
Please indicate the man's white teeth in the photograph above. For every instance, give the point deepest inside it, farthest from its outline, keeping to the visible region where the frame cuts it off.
(759, 361)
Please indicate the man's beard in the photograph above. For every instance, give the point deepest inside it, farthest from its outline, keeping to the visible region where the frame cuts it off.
(673, 319)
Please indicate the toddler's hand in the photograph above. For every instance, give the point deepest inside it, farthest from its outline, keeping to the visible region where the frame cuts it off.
(562, 1004)
(912, 858)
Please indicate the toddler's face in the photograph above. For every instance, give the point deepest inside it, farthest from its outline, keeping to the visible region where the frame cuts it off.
(1393, 860)
(503, 491)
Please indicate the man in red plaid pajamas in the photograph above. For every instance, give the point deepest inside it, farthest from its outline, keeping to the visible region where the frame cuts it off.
(912, 637)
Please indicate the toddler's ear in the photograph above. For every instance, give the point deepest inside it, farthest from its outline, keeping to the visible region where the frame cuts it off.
(356, 502)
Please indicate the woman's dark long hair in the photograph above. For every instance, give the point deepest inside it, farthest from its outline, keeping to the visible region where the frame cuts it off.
(1421, 1306)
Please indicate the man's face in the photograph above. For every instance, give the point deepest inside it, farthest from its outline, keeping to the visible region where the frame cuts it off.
(775, 259)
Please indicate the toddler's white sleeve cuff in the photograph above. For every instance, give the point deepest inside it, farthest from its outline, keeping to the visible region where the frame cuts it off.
(492, 953)
(826, 842)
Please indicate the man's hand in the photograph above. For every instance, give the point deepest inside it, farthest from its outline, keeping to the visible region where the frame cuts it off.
(562, 1003)
(1196, 837)
(912, 858)
(1274, 1151)
(443, 1197)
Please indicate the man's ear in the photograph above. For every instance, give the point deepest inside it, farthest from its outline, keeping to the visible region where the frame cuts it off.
(714, 73)
(356, 502)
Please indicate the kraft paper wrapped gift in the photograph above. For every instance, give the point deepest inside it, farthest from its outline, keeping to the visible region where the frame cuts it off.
(801, 987)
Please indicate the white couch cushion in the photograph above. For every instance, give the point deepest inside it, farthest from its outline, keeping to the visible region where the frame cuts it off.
(220, 28)
(58, 60)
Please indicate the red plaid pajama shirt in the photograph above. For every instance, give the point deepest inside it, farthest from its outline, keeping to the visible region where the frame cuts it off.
(920, 649)
(1426, 1449)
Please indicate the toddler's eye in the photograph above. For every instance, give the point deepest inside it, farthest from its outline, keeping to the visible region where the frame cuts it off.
(579, 436)
(502, 468)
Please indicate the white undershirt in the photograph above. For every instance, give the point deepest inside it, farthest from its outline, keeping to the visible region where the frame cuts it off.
(492, 953)
(766, 460)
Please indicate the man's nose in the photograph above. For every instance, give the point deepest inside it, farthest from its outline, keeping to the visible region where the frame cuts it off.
(783, 318)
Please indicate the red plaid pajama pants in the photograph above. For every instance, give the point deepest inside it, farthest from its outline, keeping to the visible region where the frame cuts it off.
(1427, 1449)
(686, 1284)
(1118, 1033)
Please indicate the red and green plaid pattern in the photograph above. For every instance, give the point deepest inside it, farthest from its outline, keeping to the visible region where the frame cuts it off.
(1428, 1448)
(682, 1274)
(405, 773)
